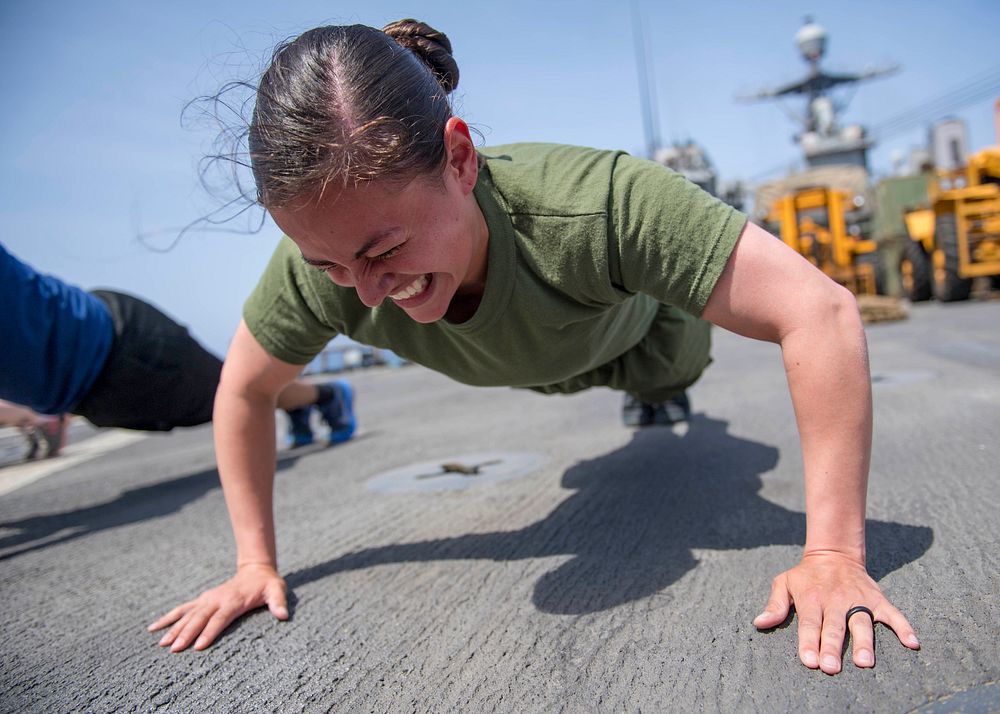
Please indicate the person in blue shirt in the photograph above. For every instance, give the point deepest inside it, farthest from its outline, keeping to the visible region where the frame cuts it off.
(120, 362)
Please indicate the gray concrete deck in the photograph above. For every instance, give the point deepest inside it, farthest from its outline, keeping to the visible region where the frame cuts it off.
(621, 574)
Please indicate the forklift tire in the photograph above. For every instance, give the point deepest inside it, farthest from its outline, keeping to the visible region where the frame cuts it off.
(880, 280)
(875, 261)
(917, 272)
(949, 286)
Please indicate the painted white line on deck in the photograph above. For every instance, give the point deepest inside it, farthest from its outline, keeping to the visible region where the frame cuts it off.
(14, 477)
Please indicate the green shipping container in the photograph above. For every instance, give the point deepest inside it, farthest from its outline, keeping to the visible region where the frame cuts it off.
(893, 198)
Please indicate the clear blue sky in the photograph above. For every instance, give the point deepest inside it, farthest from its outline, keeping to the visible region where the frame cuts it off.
(94, 151)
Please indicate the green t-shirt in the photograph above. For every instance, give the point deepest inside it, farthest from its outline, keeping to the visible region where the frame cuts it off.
(584, 245)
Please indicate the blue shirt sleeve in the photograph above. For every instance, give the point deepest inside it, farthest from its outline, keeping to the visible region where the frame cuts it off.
(54, 338)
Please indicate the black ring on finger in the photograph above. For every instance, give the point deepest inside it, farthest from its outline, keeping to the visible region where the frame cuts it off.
(859, 608)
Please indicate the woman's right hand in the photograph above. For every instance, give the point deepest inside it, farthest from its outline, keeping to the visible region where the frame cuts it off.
(201, 620)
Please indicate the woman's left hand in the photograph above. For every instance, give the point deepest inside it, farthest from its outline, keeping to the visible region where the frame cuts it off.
(823, 587)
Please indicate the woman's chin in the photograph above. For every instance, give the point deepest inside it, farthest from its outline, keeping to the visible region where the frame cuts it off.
(423, 316)
(430, 311)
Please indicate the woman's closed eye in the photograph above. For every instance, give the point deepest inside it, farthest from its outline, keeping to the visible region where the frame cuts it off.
(323, 266)
(388, 254)
(326, 267)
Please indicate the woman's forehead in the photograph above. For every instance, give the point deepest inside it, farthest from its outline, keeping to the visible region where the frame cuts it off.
(364, 197)
(354, 220)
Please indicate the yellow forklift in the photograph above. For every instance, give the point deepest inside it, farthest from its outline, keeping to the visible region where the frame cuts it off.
(826, 225)
(956, 237)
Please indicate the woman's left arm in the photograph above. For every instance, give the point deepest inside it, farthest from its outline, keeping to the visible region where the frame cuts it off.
(769, 292)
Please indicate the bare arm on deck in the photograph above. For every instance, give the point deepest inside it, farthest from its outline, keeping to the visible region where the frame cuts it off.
(769, 292)
(245, 448)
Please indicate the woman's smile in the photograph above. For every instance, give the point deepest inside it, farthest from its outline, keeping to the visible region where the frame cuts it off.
(414, 289)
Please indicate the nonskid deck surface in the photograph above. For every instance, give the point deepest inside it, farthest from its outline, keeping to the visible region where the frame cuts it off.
(619, 572)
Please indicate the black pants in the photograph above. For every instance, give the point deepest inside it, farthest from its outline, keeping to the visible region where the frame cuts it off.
(156, 376)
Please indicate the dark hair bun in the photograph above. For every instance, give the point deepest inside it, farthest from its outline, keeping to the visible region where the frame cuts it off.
(432, 47)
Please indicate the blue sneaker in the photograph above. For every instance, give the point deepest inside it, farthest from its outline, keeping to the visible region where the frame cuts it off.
(299, 431)
(338, 411)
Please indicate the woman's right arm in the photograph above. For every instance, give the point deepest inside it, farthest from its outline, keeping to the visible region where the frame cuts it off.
(245, 450)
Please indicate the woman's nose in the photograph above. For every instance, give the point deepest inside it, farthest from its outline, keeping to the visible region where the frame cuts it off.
(373, 289)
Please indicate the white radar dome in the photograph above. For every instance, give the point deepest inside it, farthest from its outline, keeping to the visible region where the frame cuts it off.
(811, 39)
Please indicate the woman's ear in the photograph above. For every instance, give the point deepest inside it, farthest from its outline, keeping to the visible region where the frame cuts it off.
(462, 159)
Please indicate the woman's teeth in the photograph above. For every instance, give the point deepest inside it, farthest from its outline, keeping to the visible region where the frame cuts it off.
(414, 288)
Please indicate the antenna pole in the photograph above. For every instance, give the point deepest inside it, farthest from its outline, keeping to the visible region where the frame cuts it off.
(650, 121)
